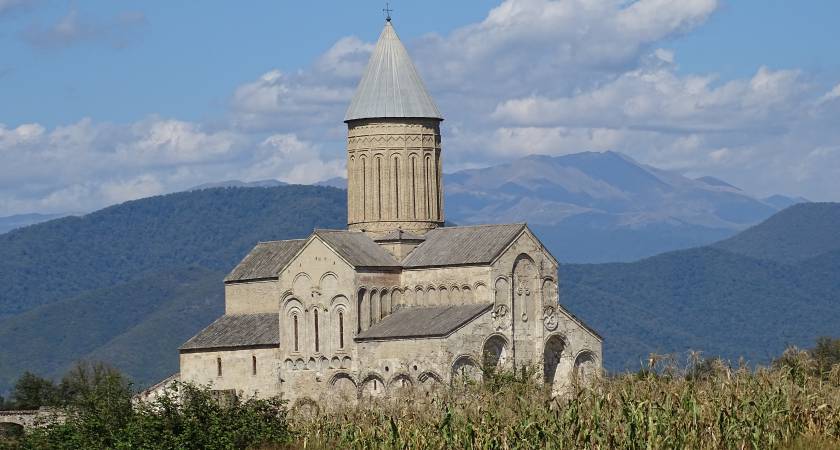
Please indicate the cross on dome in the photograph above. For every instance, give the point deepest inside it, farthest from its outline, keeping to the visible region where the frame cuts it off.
(387, 10)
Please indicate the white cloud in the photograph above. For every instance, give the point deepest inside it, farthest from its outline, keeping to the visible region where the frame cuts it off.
(276, 101)
(661, 99)
(833, 94)
(347, 58)
(86, 165)
(72, 28)
(170, 142)
(285, 156)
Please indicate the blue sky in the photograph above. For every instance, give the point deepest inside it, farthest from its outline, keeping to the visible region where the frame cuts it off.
(102, 102)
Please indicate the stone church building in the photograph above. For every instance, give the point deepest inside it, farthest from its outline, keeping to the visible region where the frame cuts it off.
(398, 300)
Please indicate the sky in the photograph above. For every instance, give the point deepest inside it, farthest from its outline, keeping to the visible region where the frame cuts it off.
(103, 101)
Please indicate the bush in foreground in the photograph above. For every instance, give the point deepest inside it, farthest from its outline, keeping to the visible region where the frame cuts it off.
(102, 416)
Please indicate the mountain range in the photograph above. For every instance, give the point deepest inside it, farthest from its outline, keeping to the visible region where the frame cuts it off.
(128, 284)
(605, 207)
(594, 207)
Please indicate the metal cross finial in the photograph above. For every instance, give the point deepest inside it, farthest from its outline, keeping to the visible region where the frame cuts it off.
(387, 10)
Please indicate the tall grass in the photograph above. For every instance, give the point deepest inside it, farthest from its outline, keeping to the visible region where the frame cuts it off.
(716, 407)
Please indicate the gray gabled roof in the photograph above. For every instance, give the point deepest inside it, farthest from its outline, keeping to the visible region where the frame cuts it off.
(265, 260)
(391, 86)
(357, 248)
(419, 322)
(237, 330)
(452, 246)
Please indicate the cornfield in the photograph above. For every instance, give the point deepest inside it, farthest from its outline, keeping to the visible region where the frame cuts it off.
(721, 407)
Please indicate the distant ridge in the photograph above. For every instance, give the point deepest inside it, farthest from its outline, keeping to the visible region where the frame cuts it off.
(783, 201)
(797, 233)
(712, 181)
(603, 200)
(336, 182)
(238, 183)
(9, 223)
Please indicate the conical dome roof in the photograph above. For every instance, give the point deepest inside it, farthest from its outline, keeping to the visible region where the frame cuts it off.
(391, 86)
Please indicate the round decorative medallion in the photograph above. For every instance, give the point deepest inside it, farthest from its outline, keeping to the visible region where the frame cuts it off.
(550, 318)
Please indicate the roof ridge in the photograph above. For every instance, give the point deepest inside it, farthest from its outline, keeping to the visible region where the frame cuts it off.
(280, 240)
(482, 225)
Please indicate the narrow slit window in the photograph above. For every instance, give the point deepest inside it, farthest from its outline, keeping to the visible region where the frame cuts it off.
(295, 325)
(341, 329)
(253, 365)
(218, 367)
(317, 344)
(413, 188)
(379, 188)
(364, 188)
(397, 205)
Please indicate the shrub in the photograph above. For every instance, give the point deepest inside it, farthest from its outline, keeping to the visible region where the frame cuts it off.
(188, 417)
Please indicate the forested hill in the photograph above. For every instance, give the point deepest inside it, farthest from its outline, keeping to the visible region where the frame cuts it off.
(795, 234)
(750, 296)
(212, 228)
(128, 284)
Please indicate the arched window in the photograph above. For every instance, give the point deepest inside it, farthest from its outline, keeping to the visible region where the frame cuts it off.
(364, 189)
(295, 325)
(351, 189)
(378, 188)
(341, 329)
(317, 337)
(253, 365)
(427, 178)
(414, 188)
(363, 311)
(395, 179)
(218, 367)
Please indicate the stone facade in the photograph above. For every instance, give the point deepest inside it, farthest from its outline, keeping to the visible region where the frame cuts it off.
(397, 301)
(324, 304)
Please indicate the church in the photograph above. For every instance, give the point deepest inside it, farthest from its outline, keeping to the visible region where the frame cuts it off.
(398, 300)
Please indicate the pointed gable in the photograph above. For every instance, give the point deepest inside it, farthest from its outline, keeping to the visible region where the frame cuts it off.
(357, 248)
(391, 86)
(455, 246)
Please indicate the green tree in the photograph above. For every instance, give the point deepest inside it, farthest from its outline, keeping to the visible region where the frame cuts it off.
(826, 354)
(33, 392)
(100, 414)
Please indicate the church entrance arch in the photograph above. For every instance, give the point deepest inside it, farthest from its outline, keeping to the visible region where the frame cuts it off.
(586, 368)
(464, 370)
(494, 353)
(552, 354)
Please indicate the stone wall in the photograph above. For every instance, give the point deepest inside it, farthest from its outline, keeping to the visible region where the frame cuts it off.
(250, 372)
(252, 297)
(32, 418)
